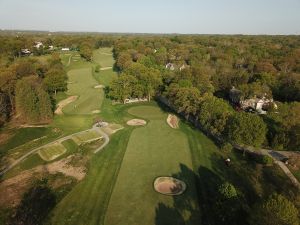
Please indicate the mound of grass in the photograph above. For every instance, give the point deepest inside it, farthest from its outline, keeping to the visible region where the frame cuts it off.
(147, 112)
(86, 137)
(52, 152)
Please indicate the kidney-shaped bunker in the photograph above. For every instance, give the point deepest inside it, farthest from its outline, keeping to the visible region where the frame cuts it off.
(169, 186)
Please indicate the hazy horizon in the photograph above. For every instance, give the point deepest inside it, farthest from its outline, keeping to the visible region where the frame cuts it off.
(269, 17)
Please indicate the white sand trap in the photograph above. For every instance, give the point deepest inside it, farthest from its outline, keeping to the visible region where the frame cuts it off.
(63, 103)
(173, 120)
(96, 111)
(136, 122)
(99, 86)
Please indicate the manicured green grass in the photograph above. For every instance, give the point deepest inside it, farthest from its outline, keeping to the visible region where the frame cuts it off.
(105, 77)
(87, 202)
(148, 112)
(52, 152)
(82, 84)
(103, 57)
(86, 136)
(154, 150)
(24, 135)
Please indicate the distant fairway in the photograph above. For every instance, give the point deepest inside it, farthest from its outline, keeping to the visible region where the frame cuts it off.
(103, 57)
(82, 83)
(154, 150)
(51, 152)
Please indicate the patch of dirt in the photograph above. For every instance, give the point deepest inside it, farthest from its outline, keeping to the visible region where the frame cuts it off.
(63, 103)
(136, 122)
(12, 189)
(173, 121)
(294, 160)
(5, 136)
(66, 167)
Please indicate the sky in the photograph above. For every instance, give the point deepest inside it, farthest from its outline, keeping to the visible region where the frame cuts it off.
(154, 16)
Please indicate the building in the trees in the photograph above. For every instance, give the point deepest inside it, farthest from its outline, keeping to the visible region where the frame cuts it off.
(259, 105)
(25, 51)
(170, 66)
(65, 49)
(38, 44)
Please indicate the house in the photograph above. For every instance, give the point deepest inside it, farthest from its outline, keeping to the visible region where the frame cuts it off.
(65, 49)
(38, 44)
(51, 47)
(25, 51)
(170, 66)
(259, 105)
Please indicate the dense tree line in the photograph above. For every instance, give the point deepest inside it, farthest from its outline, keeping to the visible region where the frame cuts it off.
(27, 86)
(204, 69)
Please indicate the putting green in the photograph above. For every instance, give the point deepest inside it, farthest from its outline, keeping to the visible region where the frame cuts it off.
(52, 152)
(82, 83)
(154, 150)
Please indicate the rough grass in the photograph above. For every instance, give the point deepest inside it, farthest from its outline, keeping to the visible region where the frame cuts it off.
(154, 150)
(52, 152)
(82, 84)
(85, 137)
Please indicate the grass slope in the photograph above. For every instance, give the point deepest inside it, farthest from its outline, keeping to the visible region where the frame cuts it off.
(82, 83)
(154, 150)
(86, 136)
(86, 203)
(52, 152)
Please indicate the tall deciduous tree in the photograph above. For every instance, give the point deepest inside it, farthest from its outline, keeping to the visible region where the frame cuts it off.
(55, 80)
(276, 210)
(246, 128)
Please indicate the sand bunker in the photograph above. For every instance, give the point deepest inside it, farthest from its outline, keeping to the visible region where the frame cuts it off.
(63, 103)
(169, 186)
(136, 122)
(96, 111)
(173, 120)
(99, 86)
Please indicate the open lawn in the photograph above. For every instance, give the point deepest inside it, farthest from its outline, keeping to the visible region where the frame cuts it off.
(82, 83)
(52, 152)
(103, 57)
(154, 150)
(86, 137)
(105, 77)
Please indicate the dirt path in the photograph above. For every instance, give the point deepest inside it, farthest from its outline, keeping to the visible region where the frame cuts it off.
(63, 103)
(69, 62)
(94, 128)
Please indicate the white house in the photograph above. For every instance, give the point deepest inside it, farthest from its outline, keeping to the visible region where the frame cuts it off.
(170, 66)
(65, 49)
(25, 51)
(38, 44)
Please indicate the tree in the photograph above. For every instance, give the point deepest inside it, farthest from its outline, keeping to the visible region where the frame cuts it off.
(55, 80)
(124, 60)
(213, 114)
(276, 210)
(122, 87)
(246, 128)
(32, 102)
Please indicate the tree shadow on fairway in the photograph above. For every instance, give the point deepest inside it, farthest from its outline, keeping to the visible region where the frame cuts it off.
(185, 209)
